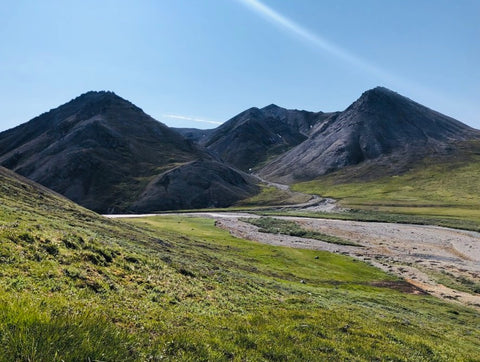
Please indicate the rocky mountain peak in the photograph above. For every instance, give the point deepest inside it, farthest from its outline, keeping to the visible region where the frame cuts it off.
(274, 111)
(379, 99)
(380, 125)
(272, 107)
(99, 102)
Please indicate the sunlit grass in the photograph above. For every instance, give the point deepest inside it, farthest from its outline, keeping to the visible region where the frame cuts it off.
(270, 196)
(76, 286)
(447, 189)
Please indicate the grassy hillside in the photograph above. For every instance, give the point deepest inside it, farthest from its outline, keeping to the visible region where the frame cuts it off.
(75, 286)
(272, 196)
(446, 187)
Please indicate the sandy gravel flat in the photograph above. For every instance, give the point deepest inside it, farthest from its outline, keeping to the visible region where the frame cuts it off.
(422, 255)
(432, 258)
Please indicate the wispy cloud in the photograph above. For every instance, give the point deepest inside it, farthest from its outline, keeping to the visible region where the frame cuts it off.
(315, 39)
(187, 118)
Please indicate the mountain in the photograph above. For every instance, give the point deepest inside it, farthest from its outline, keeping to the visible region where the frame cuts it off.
(256, 135)
(194, 134)
(106, 154)
(102, 151)
(381, 127)
(198, 184)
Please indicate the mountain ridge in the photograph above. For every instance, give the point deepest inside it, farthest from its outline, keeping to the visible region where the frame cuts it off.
(105, 153)
(101, 151)
(253, 136)
(381, 125)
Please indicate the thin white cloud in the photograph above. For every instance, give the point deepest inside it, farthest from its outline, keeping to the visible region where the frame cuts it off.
(315, 39)
(187, 118)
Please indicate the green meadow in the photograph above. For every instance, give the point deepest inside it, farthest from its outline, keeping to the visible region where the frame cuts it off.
(75, 286)
(446, 189)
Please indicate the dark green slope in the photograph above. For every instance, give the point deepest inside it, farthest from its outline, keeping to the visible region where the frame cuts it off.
(194, 134)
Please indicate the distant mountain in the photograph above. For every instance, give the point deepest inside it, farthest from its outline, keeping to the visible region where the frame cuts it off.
(194, 134)
(381, 126)
(102, 152)
(106, 154)
(256, 135)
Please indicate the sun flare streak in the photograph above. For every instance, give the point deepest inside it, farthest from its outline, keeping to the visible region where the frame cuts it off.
(187, 118)
(387, 78)
(316, 40)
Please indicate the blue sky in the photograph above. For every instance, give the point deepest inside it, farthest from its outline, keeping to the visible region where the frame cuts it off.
(197, 63)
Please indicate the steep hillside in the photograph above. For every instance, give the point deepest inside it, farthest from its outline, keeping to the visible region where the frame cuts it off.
(194, 134)
(195, 185)
(443, 186)
(255, 135)
(101, 151)
(76, 287)
(382, 127)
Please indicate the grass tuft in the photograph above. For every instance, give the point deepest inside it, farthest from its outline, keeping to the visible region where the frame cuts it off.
(31, 332)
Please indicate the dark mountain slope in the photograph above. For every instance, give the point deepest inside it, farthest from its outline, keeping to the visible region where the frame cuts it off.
(382, 126)
(199, 184)
(194, 134)
(255, 135)
(99, 150)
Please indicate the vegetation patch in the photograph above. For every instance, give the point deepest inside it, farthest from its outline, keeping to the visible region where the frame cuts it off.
(30, 333)
(379, 216)
(292, 228)
(461, 283)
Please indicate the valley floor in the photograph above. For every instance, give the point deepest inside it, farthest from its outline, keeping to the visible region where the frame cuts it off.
(439, 261)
